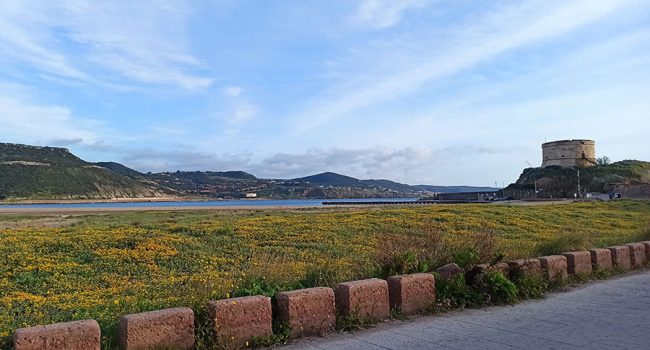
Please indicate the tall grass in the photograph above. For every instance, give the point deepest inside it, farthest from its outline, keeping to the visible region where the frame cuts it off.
(563, 243)
(584, 241)
(641, 235)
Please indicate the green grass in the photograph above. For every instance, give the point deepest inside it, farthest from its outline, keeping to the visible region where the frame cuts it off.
(104, 266)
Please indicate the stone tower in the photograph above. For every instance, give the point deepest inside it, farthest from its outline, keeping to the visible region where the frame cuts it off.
(569, 153)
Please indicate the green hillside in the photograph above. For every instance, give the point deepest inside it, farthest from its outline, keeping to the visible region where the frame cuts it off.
(31, 172)
(556, 181)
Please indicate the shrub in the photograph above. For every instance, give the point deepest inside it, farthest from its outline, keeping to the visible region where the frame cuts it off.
(257, 286)
(487, 289)
(400, 253)
(494, 288)
(466, 258)
(453, 293)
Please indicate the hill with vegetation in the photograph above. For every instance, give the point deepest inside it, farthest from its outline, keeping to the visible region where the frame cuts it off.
(31, 172)
(556, 181)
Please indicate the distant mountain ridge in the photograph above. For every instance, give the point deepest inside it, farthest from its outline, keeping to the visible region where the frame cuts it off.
(334, 179)
(34, 172)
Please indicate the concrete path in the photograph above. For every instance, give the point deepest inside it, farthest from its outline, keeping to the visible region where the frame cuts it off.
(612, 314)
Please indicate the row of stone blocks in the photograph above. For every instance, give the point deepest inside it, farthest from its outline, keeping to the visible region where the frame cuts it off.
(237, 320)
(558, 267)
(309, 311)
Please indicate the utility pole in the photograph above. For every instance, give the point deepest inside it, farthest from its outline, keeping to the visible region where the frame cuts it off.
(579, 184)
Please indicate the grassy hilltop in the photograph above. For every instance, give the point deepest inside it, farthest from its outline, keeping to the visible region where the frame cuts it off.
(102, 266)
(55, 173)
(556, 181)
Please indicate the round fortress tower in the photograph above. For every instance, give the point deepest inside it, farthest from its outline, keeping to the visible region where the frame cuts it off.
(569, 153)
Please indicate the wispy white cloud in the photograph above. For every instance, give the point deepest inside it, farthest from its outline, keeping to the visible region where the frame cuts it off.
(242, 111)
(410, 164)
(232, 91)
(499, 31)
(182, 158)
(237, 108)
(381, 14)
(142, 41)
(27, 122)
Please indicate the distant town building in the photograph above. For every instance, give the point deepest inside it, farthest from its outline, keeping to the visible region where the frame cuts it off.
(569, 153)
(251, 195)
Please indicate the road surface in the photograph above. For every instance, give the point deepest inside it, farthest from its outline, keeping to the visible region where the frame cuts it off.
(612, 314)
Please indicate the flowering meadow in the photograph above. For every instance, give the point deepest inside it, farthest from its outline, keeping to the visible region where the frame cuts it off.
(101, 266)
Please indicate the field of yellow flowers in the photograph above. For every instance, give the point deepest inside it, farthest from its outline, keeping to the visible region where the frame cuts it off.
(102, 266)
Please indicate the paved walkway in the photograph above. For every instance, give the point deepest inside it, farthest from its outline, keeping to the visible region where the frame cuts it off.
(612, 314)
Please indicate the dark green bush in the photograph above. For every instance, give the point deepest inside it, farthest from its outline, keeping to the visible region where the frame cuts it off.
(495, 288)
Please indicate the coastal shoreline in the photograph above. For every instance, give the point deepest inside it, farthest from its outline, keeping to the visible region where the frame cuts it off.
(49, 211)
(102, 200)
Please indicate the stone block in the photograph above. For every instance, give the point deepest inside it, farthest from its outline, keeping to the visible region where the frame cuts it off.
(365, 299)
(646, 244)
(168, 328)
(77, 335)
(621, 257)
(554, 267)
(237, 320)
(578, 262)
(637, 254)
(308, 311)
(525, 268)
(601, 259)
(448, 271)
(411, 294)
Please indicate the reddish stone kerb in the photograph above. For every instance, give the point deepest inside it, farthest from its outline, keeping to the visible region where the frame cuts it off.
(78, 335)
(307, 311)
(411, 294)
(554, 267)
(237, 320)
(601, 259)
(169, 328)
(578, 263)
(364, 299)
(621, 257)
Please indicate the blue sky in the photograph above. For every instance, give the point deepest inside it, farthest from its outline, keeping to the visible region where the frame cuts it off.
(418, 91)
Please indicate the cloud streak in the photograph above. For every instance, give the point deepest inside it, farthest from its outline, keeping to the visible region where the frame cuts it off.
(143, 42)
(498, 32)
(381, 14)
(26, 122)
(411, 164)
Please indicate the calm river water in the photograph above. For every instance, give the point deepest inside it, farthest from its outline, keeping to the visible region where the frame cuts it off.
(198, 204)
